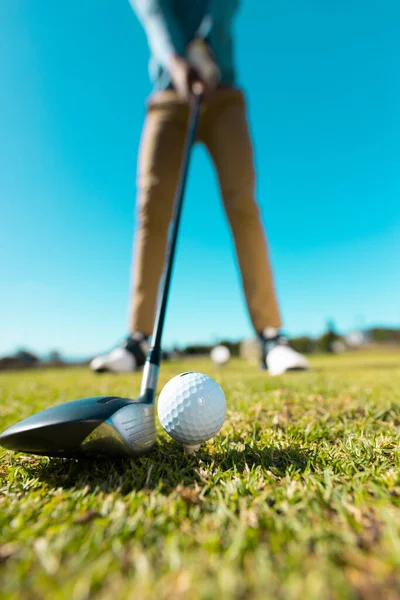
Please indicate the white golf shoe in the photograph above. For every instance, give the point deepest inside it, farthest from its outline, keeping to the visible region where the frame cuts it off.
(127, 357)
(278, 356)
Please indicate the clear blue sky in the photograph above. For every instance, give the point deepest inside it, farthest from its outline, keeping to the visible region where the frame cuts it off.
(323, 83)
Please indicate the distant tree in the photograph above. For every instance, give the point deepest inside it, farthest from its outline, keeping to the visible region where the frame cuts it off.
(27, 357)
(303, 344)
(22, 359)
(197, 349)
(55, 358)
(326, 342)
(384, 335)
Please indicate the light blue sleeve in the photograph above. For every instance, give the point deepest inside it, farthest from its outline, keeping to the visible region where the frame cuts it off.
(163, 33)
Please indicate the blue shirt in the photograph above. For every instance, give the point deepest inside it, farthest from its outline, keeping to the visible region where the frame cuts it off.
(171, 24)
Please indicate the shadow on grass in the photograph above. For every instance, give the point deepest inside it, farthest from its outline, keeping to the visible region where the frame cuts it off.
(279, 459)
(167, 466)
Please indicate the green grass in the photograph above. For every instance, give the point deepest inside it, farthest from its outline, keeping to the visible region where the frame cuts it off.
(297, 498)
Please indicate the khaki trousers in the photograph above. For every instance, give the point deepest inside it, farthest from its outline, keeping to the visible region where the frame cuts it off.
(223, 129)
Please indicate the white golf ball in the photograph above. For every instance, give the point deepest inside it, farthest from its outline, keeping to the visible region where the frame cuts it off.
(220, 355)
(191, 408)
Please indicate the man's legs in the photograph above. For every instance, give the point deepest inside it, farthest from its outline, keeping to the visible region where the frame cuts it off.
(160, 157)
(224, 130)
(226, 135)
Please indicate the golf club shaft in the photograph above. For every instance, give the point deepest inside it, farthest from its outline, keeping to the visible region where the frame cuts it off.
(150, 372)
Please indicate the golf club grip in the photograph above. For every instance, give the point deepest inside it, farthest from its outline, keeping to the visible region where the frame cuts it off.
(154, 355)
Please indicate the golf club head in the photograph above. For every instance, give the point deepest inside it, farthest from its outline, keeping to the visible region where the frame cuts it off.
(102, 426)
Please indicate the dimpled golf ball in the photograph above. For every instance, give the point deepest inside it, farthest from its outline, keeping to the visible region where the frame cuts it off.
(192, 408)
(220, 355)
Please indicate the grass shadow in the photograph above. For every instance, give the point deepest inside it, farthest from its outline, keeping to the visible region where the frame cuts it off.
(269, 457)
(166, 467)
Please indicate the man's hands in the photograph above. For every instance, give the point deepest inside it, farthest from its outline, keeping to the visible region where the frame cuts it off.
(197, 74)
(187, 81)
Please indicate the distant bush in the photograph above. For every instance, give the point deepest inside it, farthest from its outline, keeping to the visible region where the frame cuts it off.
(193, 350)
(233, 347)
(196, 349)
(326, 342)
(382, 335)
(303, 344)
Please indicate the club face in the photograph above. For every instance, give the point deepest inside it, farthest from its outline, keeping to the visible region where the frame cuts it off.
(102, 426)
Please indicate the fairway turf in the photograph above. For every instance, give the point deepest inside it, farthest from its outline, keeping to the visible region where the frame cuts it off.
(297, 498)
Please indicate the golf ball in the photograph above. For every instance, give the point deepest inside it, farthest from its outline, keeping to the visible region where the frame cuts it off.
(191, 408)
(220, 355)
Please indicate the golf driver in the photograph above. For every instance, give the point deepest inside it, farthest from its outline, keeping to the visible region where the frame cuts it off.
(108, 426)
